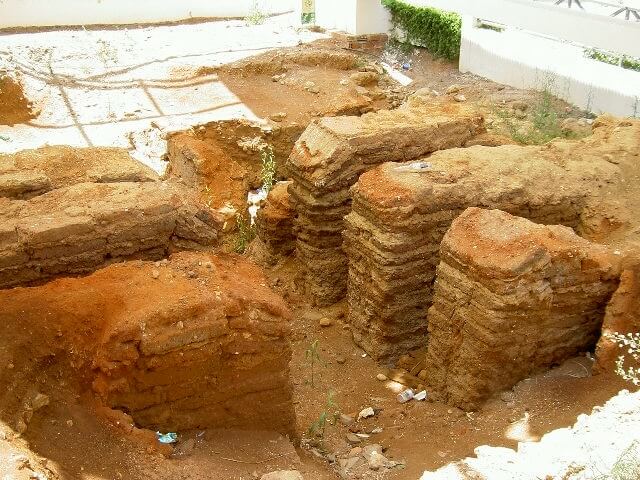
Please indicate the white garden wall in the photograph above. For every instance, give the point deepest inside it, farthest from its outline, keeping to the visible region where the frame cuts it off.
(39, 13)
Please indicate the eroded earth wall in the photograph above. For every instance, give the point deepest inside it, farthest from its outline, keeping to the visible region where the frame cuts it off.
(70, 211)
(511, 297)
(330, 156)
(195, 341)
(401, 211)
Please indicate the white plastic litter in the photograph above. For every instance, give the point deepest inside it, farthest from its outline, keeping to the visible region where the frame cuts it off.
(405, 396)
(399, 77)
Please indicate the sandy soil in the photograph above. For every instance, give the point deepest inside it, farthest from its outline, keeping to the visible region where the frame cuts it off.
(78, 441)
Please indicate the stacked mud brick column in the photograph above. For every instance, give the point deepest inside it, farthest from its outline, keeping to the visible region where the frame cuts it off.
(70, 211)
(329, 158)
(402, 211)
(511, 298)
(274, 221)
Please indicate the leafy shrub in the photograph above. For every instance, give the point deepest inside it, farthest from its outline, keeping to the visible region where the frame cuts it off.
(439, 32)
(630, 341)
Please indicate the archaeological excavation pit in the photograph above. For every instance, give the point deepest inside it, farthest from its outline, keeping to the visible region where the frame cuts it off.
(239, 251)
(401, 212)
(330, 156)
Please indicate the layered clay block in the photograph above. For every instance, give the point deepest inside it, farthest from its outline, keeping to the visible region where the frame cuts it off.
(195, 341)
(330, 156)
(401, 212)
(30, 173)
(511, 298)
(274, 221)
(79, 228)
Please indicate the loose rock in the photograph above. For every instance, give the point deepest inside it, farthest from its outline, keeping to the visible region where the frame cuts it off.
(382, 377)
(366, 413)
(325, 322)
(283, 475)
(460, 98)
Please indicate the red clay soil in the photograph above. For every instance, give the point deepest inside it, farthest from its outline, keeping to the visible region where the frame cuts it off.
(14, 107)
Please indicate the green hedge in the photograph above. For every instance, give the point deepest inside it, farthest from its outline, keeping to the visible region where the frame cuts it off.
(630, 63)
(437, 31)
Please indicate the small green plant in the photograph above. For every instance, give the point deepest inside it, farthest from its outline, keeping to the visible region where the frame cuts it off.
(328, 416)
(629, 63)
(312, 355)
(269, 167)
(5, 139)
(256, 15)
(630, 342)
(438, 31)
(545, 119)
(246, 233)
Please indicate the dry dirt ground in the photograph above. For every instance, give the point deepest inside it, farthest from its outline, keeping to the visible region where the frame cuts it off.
(77, 440)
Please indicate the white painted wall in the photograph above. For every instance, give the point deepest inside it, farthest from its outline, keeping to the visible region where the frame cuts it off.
(522, 60)
(338, 15)
(572, 24)
(357, 17)
(37, 13)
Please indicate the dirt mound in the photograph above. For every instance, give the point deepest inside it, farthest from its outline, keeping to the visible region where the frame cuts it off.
(272, 63)
(193, 342)
(14, 107)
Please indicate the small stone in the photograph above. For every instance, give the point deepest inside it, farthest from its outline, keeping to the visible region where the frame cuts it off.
(382, 377)
(519, 105)
(10, 366)
(366, 413)
(353, 439)
(155, 274)
(520, 114)
(344, 82)
(364, 79)
(278, 117)
(39, 401)
(283, 475)
(346, 419)
(192, 274)
(21, 461)
(362, 91)
(340, 359)
(21, 426)
(208, 265)
(311, 87)
(69, 423)
(325, 322)
(347, 464)
(422, 375)
(355, 452)
(377, 461)
(180, 324)
(460, 98)
(508, 396)
(377, 430)
(455, 88)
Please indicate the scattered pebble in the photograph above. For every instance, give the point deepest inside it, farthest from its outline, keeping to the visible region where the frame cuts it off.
(460, 98)
(325, 322)
(340, 359)
(366, 413)
(455, 88)
(69, 423)
(155, 274)
(353, 439)
(346, 419)
(382, 377)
